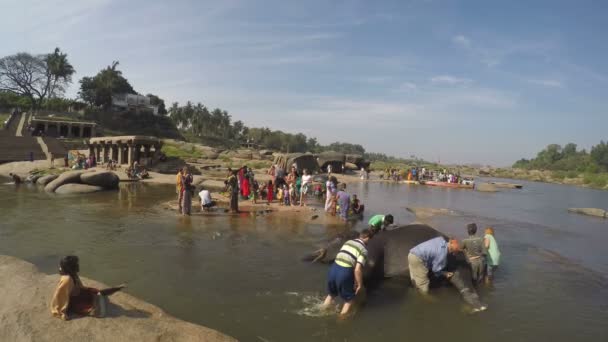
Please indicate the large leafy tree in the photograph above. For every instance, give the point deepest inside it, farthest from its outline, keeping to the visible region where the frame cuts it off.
(599, 155)
(98, 90)
(36, 77)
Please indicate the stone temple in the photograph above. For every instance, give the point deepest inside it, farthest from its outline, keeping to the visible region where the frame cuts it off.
(126, 149)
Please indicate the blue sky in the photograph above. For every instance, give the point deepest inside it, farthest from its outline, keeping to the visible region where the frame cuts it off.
(464, 81)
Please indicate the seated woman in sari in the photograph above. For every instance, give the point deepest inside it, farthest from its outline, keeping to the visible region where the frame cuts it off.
(72, 298)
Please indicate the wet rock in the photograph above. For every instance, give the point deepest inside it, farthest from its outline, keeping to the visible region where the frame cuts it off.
(73, 188)
(424, 213)
(485, 187)
(507, 185)
(105, 179)
(44, 180)
(25, 313)
(590, 212)
(64, 178)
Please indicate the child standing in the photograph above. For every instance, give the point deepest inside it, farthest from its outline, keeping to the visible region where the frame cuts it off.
(280, 195)
(269, 192)
(493, 253)
(286, 198)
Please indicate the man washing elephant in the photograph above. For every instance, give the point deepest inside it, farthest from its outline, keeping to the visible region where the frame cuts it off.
(431, 255)
(387, 257)
(345, 278)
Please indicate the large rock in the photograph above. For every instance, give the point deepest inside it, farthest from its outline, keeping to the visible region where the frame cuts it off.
(44, 180)
(73, 188)
(590, 212)
(213, 185)
(25, 313)
(485, 187)
(64, 178)
(351, 166)
(104, 179)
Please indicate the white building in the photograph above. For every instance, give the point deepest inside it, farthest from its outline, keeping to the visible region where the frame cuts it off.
(133, 101)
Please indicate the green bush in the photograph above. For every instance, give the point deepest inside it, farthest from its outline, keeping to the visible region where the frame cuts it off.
(572, 174)
(175, 151)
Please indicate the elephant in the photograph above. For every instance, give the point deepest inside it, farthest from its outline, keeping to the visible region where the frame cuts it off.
(387, 258)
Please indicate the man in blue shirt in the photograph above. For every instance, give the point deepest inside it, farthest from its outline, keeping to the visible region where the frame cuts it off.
(431, 255)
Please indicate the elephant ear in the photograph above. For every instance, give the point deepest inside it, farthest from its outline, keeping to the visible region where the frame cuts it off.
(398, 244)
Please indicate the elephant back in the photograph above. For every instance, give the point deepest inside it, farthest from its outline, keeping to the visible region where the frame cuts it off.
(399, 241)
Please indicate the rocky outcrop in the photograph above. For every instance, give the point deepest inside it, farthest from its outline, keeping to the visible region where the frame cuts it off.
(590, 212)
(105, 180)
(213, 185)
(426, 213)
(507, 185)
(485, 187)
(64, 178)
(44, 180)
(73, 188)
(26, 316)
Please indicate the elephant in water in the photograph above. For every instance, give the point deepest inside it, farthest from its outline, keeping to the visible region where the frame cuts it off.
(387, 258)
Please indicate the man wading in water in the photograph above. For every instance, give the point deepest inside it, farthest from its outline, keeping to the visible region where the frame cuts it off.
(474, 250)
(345, 278)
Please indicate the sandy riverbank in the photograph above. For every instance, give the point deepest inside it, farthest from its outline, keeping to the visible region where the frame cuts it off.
(25, 313)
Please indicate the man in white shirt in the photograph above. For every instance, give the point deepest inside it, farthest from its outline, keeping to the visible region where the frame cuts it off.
(206, 201)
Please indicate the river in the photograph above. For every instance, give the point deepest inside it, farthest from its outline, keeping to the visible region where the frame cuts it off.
(242, 275)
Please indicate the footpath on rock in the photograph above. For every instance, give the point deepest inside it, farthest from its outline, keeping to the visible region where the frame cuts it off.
(25, 314)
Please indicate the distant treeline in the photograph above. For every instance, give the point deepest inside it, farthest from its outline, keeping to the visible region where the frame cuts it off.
(568, 158)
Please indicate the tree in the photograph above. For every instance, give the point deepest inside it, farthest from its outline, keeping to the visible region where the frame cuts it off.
(98, 90)
(599, 155)
(36, 77)
(157, 101)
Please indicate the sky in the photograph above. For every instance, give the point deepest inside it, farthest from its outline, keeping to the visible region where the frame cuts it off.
(484, 82)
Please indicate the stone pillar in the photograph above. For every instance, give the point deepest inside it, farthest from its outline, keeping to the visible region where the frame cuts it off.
(147, 154)
(46, 127)
(81, 131)
(130, 154)
(120, 150)
(92, 151)
(69, 135)
(104, 153)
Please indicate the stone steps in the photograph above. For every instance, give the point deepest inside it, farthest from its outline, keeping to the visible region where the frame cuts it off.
(19, 148)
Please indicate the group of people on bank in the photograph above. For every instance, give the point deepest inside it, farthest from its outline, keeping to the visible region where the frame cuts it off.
(425, 260)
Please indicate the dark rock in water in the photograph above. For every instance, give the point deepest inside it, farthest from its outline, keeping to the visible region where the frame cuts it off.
(73, 188)
(64, 178)
(314, 217)
(32, 179)
(44, 180)
(106, 179)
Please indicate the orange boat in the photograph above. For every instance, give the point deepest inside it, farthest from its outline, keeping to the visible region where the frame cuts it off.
(450, 185)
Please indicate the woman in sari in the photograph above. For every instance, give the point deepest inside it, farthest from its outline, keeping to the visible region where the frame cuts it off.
(186, 191)
(72, 298)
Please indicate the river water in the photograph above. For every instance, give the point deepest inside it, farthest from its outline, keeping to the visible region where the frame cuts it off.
(242, 275)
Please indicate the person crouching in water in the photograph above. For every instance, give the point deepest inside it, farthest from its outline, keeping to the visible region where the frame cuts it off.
(474, 250)
(72, 298)
(356, 206)
(345, 278)
(430, 256)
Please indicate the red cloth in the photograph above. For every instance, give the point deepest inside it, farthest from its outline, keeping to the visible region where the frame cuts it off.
(270, 193)
(245, 187)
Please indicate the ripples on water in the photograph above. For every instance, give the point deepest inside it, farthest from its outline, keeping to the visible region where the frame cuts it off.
(242, 274)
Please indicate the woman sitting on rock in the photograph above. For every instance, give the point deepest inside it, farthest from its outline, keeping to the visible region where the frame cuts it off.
(72, 298)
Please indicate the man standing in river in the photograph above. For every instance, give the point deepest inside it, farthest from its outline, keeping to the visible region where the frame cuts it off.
(345, 278)
(178, 188)
(474, 250)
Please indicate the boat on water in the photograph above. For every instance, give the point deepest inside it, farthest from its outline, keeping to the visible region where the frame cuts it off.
(450, 185)
(411, 182)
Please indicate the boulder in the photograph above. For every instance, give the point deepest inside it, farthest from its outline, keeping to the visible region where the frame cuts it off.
(426, 213)
(351, 166)
(25, 313)
(213, 185)
(32, 179)
(44, 180)
(485, 187)
(105, 179)
(73, 188)
(64, 178)
(590, 212)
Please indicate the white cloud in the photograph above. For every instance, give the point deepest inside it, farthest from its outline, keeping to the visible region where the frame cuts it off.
(547, 83)
(461, 40)
(406, 87)
(450, 80)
